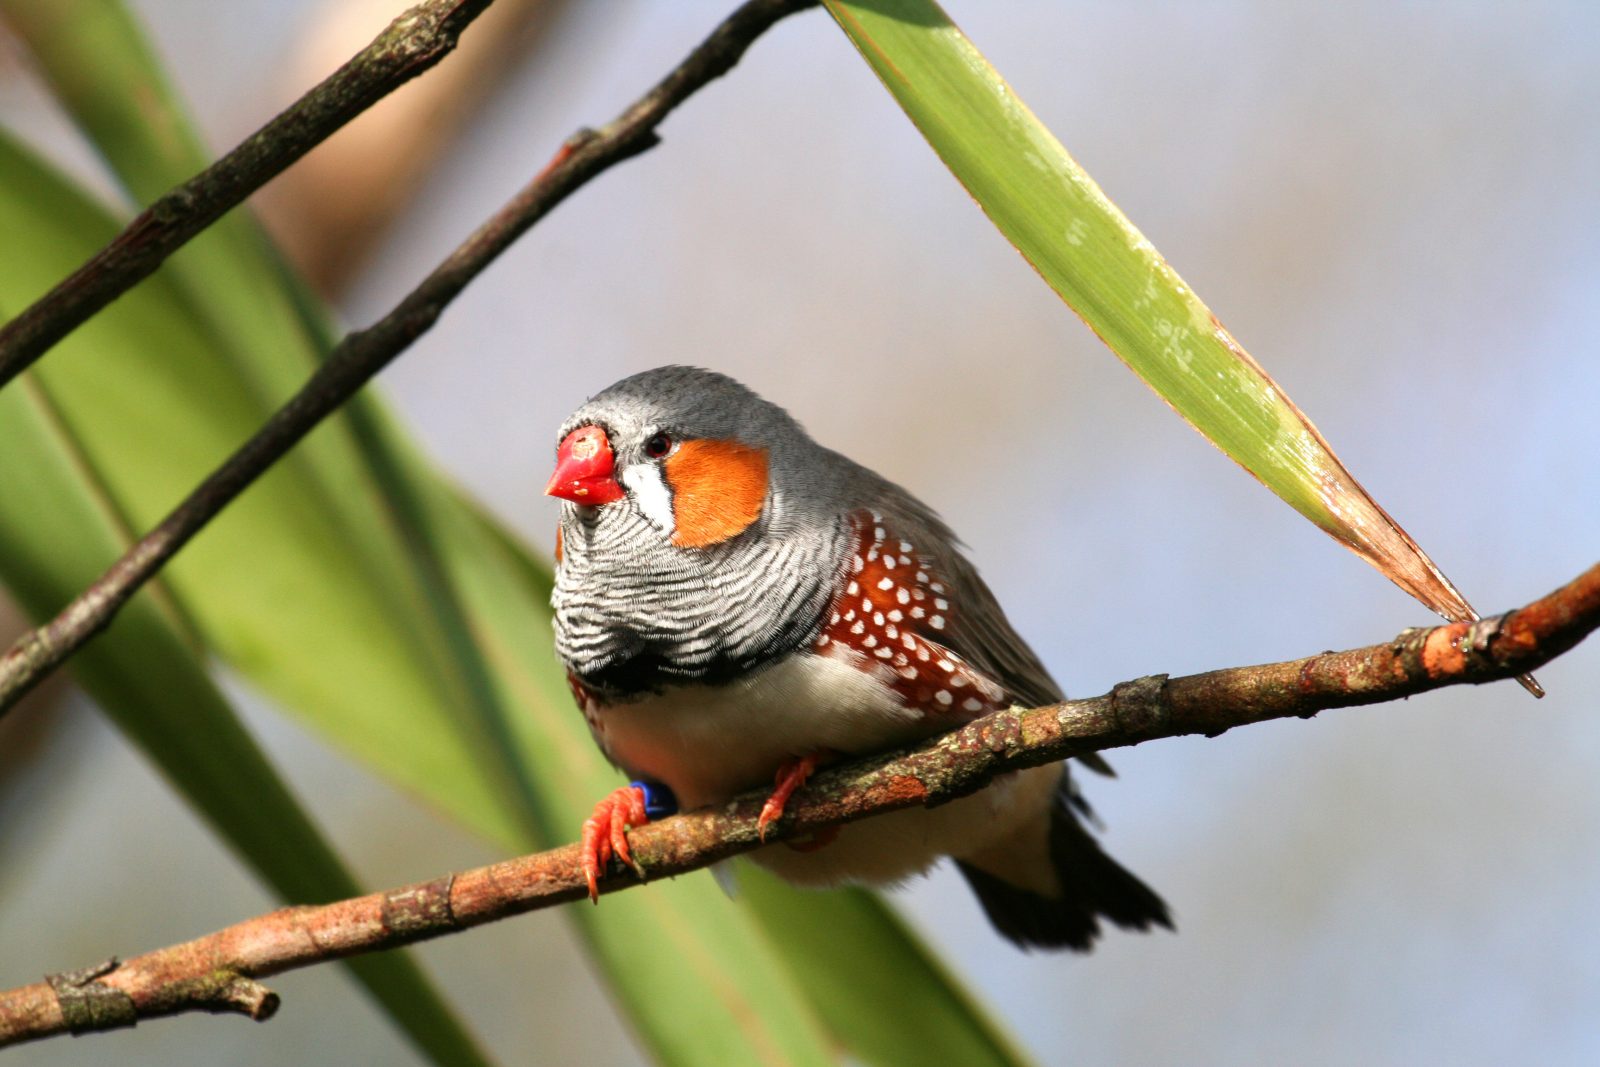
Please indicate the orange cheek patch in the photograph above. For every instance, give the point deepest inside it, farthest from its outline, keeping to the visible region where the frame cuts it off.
(718, 490)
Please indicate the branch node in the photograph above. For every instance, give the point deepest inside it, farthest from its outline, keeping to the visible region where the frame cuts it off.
(1482, 634)
(422, 910)
(89, 1005)
(1139, 707)
(249, 997)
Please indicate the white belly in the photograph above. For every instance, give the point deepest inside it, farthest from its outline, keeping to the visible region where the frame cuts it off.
(709, 743)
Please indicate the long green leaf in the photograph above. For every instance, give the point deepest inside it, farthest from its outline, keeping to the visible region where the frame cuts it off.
(892, 977)
(156, 403)
(1106, 271)
(59, 527)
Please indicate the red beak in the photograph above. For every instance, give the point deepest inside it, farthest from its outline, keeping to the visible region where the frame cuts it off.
(585, 469)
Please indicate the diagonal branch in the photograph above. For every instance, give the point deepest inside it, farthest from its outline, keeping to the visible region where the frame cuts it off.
(412, 44)
(219, 972)
(362, 354)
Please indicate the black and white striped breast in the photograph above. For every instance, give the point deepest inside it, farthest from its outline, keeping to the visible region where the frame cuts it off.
(635, 614)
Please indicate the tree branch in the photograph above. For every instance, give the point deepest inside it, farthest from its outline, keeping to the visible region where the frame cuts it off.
(361, 354)
(218, 972)
(412, 43)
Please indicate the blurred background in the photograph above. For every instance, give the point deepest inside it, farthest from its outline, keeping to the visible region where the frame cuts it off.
(1393, 208)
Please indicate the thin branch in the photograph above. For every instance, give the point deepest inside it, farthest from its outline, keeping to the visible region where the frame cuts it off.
(412, 43)
(361, 354)
(218, 972)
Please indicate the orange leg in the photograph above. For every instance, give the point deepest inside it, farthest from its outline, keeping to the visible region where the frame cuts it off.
(792, 774)
(605, 833)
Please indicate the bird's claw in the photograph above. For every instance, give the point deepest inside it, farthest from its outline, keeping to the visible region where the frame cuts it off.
(792, 774)
(605, 834)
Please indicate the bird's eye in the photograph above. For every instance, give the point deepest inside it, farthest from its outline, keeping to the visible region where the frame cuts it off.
(658, 445)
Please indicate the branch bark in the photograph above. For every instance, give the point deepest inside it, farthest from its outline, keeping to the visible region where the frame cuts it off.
(362, 354)
(219, 972)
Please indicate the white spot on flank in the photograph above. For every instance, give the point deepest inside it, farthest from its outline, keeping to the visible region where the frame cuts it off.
(872, 554)
(946, 665)
(866, 605)
(869, 641)
(878, 534)
(919, 594)
(848, 615)
(877, 619)
(824, 639)
(905, 561)
(891, 633)
(858, 628)
(834, 619)
(910, 642)
(888, 561)
(908, 673)
(943, 696)
(936, 587)
(941, 603)
(905, 546)
(937, 622)
(917, 613)
(972, 704)
(902, 596)
(922, 655)
(957, 681)
(922, 577)
(884, 653)
(852, 589)
(895, 616)
(886, 583)
(856, 564)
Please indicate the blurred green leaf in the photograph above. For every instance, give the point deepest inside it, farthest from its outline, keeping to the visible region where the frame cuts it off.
(852, 931)
(143, 404)
(1106, 271)
(60, 527)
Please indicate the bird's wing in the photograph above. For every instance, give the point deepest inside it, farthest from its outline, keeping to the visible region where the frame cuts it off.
(975, 627)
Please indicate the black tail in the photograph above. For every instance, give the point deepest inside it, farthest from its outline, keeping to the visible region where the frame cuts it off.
(1094, 886)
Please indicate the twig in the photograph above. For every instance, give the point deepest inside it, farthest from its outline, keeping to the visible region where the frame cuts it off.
(363, 353)
(412, 43)
(218, 972)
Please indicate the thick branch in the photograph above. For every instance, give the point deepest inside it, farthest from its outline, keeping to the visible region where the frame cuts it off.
(218, 972)
(413, 43)
(362, 354)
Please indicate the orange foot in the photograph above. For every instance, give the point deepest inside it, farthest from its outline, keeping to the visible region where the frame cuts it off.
(792, 774)
(605, 833)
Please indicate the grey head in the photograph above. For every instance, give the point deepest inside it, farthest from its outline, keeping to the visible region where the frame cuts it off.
(718, 534)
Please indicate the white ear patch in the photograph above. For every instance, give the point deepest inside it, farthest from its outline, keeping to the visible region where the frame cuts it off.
(650, 492)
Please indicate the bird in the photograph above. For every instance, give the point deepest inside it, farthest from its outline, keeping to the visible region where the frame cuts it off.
(736, 605)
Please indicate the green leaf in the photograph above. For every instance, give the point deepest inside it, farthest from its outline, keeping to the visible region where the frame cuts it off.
(1106, 271)
(60, 527)
(135, 391)
(853, 932)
